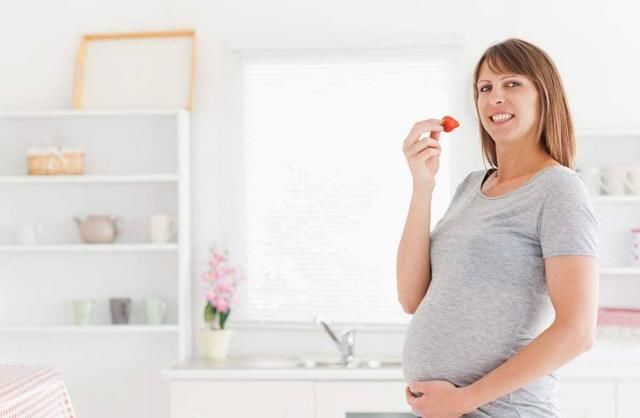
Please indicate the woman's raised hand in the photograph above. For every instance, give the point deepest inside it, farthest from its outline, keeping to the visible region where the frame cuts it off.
(423, 155)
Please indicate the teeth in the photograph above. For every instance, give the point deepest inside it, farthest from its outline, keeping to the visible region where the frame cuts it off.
(501, 117)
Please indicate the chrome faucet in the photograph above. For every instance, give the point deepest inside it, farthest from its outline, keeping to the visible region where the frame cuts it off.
(345, 342)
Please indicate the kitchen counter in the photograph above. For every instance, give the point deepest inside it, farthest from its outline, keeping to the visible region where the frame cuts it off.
(607, 360)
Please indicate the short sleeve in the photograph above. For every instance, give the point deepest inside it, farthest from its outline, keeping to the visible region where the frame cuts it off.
(461, 187)
(567, 224)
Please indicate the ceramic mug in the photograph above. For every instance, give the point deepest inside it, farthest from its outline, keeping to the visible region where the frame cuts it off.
(635, 246)
(155, 310)
(120, 310)
(162, 228)
(613, 180)
(82, 311)
(632, 180)
(29, 234)
(592, 177)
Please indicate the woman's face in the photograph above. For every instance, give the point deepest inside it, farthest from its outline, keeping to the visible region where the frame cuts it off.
(513, 94)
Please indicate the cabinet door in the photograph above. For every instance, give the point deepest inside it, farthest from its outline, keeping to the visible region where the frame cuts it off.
(362, 400)
(241, 399)
(588, 399)
(628, 399)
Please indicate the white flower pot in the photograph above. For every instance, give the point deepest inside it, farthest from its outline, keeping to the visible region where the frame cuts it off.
(215, 343)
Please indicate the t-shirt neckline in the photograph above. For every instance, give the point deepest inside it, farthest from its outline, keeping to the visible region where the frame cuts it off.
(481, 193)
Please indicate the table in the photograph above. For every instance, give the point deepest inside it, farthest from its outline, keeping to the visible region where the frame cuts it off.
(33, 391)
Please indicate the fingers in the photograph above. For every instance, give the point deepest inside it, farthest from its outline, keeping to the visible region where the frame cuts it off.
(431, 125)
(408, 393)
(425, 154)
(422, 145)
(409, 396)
(411, 399)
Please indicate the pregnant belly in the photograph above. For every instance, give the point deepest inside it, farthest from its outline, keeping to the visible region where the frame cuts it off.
(445, 342)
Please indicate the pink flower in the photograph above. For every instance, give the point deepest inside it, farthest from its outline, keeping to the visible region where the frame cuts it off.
(215, 259)
(220, 281)
(227, 271)
(222, 287)
(222, 305)
(210, 295)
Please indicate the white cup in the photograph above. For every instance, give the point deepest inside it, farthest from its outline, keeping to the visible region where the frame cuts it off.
(82, 311)
(632, 180)
(162, 228)
(29, 234)
(635, 246)
(592, 177)
(155, 310)
(613, 180)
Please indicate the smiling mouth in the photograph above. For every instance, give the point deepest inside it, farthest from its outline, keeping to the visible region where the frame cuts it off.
(502, 118)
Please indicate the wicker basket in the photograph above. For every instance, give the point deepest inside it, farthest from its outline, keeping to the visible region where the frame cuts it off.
(53, 160)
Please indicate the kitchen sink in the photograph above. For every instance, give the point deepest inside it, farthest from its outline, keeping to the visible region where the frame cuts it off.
(357, 364)
(294, 363)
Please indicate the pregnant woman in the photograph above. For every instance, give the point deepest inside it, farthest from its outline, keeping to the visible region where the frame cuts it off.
(504, 290)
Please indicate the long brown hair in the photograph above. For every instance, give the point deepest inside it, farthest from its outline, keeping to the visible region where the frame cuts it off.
(555, 131)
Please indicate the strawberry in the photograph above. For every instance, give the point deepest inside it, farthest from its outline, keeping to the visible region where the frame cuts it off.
(449, 123)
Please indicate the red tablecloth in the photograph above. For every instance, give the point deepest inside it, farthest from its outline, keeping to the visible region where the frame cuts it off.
(33, 391)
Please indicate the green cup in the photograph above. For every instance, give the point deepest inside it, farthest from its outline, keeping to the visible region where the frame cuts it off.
(82, 309)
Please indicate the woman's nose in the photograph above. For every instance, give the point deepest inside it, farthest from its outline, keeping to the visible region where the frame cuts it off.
(496, 97)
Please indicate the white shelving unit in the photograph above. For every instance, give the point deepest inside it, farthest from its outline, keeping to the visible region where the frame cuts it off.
(616, 212)
(152, 178)
(93, 328)
(137, 164)
(90, 247)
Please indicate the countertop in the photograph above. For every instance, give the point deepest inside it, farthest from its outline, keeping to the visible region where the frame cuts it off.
(607, 360)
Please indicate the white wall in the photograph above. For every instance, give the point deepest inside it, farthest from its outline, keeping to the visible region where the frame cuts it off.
(596, 52)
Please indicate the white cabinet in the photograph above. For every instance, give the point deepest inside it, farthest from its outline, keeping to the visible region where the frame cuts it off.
(236, 399)
(366, 399)
(137, 164)
(628, 399)
(361, 400)
(288, 399)
(588, 399)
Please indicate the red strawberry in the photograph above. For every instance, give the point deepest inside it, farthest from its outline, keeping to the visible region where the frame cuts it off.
(449, 123)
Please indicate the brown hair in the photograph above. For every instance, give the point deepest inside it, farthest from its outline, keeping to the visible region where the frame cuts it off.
(555, 131)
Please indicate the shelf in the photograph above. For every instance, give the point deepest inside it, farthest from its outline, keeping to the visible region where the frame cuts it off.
(134, 328)
(633, 271)
(144, 178)
(616, 198)
(607, 133)
(157, 143)
(132, 247)
(85, 112)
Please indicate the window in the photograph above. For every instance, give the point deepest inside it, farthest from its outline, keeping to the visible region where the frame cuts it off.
(327, 187)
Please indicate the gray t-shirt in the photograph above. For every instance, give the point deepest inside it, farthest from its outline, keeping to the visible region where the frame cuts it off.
(488, 296)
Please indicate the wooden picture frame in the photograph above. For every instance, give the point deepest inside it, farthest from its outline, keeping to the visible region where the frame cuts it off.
(117, 70)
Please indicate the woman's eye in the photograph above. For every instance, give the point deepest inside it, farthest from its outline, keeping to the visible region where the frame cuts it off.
(482, 89)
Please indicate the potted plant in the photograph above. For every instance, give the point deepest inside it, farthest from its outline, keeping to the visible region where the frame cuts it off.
(220, 281)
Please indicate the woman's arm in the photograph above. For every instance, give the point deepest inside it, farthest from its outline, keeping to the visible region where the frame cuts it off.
(573, 287)
(413, 268)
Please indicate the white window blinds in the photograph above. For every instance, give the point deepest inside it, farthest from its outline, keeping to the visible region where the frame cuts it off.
(327, 185)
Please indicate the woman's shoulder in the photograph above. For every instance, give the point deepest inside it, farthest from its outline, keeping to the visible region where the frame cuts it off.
(475, 174)
(564, 183)
(560, 175)
(471, 177)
